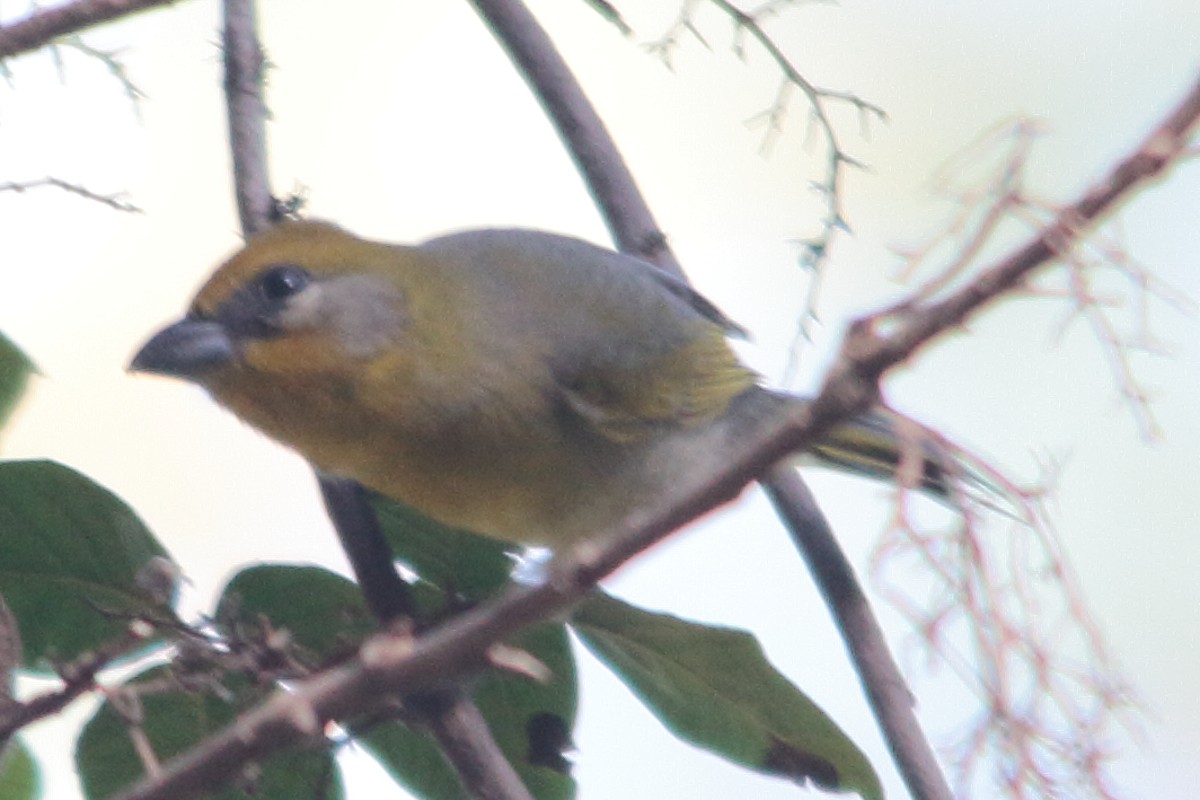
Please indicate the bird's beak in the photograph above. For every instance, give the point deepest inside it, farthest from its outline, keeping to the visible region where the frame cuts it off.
(188, 349)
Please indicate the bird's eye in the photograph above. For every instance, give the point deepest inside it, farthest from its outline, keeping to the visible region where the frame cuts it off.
(282, 281)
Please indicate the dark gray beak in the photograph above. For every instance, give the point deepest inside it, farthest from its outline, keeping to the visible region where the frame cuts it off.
(188, 349)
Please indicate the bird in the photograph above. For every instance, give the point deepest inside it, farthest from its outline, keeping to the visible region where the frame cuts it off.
(524, 385)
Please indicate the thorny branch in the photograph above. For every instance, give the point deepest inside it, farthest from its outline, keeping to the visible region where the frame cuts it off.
(116, 201)
(459, 729)
(45, 25)
(78, 677)
(837, 158)
(1014, 626)
(632, 224)
(985, 182)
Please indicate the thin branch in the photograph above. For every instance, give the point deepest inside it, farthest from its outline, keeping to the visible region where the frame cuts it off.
(386, 593)
(78, 677)
(628, 217)
(247, 115)
(596, 156)
(837, 158)
(116, 201)
(881, 679)
(463, 737)
(460, 729)
(110, 61)
(909, 327)
(45, 25)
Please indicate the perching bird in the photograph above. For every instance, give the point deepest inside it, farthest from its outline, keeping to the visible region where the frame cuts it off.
(519, 384)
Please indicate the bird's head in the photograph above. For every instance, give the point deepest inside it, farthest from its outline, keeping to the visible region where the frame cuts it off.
(300, 298)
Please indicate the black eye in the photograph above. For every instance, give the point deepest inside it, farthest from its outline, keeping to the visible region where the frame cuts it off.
(282, 281)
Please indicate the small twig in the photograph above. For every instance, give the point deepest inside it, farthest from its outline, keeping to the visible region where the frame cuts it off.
(115, 201)
(243, 58)
(112, 64)
(829, 187)
(47, 24)
(78, 677)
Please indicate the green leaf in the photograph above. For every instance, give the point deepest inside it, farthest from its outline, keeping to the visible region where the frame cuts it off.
(173, 722)
(457, 561)
(70, 555)
(324, 612)
(715, 688)
(15, 369)
(18, 772)
(531, 722)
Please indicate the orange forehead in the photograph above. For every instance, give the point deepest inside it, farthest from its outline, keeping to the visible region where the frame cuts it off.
(316, 245)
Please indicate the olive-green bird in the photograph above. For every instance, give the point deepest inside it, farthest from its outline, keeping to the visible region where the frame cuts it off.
(520, 384)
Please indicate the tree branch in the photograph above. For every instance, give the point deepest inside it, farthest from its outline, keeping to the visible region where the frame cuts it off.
(114, 201)
(454, 720)
(629, 217)
(79, 676)
(881, 679)
(911, 325)
(45, 25)
(596, 156)
(467, 743)
(243, 58)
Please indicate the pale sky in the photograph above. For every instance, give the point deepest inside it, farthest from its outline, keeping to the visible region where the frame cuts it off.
(403, 122)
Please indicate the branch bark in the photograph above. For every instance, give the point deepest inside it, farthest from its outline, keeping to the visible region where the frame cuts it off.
(455, 721)
(583, 133)
(45, 25)
(629, 219)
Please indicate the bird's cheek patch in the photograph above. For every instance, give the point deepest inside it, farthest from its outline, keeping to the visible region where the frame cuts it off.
(304, 310)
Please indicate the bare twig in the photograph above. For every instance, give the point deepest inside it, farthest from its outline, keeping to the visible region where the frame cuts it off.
(889, 698)
(78, 677)
(837, 158)
(909, 327)
(464, 736)
(628, 217)
(247, 115)
(110, 61)
(47, 24)
(116, 201)
(596, 156)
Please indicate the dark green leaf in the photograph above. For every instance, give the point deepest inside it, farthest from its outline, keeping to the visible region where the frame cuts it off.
(323, 611)
(530, 721)
(69, 551)
(15, 369)
(18, 773)
(715, 688)
(174, 721)
(456, 561)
